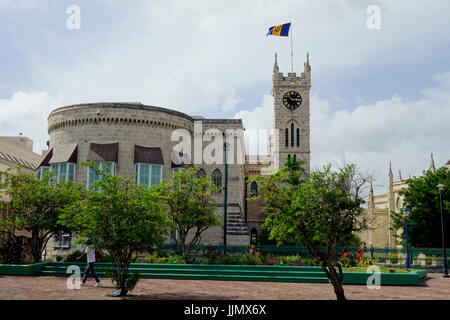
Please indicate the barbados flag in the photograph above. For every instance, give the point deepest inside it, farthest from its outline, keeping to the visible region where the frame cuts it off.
(280, 30)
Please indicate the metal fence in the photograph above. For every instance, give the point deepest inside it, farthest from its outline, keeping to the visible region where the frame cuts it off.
(420, 258)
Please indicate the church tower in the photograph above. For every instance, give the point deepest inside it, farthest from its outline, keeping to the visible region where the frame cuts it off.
(291, 115)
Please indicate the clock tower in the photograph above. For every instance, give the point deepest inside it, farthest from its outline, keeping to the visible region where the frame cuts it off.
(291, 115)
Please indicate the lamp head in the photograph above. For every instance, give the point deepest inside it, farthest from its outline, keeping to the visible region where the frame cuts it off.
(441, 186)
(406, 211)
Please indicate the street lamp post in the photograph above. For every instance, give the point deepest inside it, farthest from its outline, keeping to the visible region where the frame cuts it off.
(406, 211)
(441, 188)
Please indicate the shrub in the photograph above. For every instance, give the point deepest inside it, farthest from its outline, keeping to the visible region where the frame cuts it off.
(345, 262)
(251, 259)
(161, 260)
(270, 260)
(176, 259)
(287, 259)
(428, 260)
(393, 258)
(225, 259)
(59, 258)
(297, 264)
(362, 262)
(154, 259)
(73, 256)
(130, 281)
(105, 258)
(211, 256)
(312, 262)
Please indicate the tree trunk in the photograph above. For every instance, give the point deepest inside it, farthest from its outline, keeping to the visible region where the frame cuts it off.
(336, 280)
(339, 291)
(36, 246)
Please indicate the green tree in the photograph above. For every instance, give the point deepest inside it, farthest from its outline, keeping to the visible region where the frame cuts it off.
(32, 207)
(318, 211)
(424, 221)
(122, 218)
(190, 206)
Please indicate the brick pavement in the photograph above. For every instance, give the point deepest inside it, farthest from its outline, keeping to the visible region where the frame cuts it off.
(54, 288)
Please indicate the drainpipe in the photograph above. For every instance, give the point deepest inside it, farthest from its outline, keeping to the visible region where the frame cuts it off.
(245, 203)
(225, 202)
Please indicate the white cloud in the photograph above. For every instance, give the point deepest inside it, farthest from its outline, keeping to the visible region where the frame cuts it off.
(27, 112)
(190, 57)
(395, 130)
(255, 122)
(203, 57)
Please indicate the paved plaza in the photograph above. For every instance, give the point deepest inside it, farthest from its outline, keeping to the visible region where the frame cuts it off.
(434, 287)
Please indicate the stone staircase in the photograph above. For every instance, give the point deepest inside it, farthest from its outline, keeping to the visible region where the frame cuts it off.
(237, 232)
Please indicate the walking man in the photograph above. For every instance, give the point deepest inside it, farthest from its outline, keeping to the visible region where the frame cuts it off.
(90, 256)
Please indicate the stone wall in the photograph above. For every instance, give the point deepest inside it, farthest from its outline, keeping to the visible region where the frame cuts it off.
(136, 124)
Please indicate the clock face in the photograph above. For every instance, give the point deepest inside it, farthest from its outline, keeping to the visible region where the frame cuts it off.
(292, 100)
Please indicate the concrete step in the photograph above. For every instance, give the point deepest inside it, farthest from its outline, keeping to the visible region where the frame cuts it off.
(236, 228)
(236, 224)
(238, 233)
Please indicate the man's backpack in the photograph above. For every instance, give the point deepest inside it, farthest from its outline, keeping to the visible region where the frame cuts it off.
(97, 255)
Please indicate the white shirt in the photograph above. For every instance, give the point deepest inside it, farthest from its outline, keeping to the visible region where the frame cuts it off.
(90, 254)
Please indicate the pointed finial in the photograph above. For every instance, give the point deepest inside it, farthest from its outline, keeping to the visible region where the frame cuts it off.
(371, 202)
(307, 67)
(400, 175)
(275, 65)
(390, 174)
(432, 168)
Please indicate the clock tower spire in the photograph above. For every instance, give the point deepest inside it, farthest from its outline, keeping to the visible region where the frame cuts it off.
(291, 115)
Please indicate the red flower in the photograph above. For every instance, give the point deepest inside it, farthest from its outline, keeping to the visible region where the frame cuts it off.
(359, 256)
(345, 255)
(359, 250)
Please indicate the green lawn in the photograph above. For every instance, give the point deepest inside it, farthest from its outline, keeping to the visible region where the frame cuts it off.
(382, 270)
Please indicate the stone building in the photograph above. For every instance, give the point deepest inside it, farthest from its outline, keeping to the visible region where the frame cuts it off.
(381, 232)
(154, 142)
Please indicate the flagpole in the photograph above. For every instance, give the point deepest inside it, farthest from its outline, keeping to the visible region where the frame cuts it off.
(292, 52)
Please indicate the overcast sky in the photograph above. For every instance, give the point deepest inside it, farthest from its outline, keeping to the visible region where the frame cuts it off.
(377, 95)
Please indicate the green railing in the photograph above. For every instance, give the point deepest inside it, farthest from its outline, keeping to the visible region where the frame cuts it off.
(420, 258)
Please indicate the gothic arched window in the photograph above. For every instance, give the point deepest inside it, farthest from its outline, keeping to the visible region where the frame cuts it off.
(217, 178)
(298, 137)
(201, 173)
(292, 134)
(254, 189)
(287, 137)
